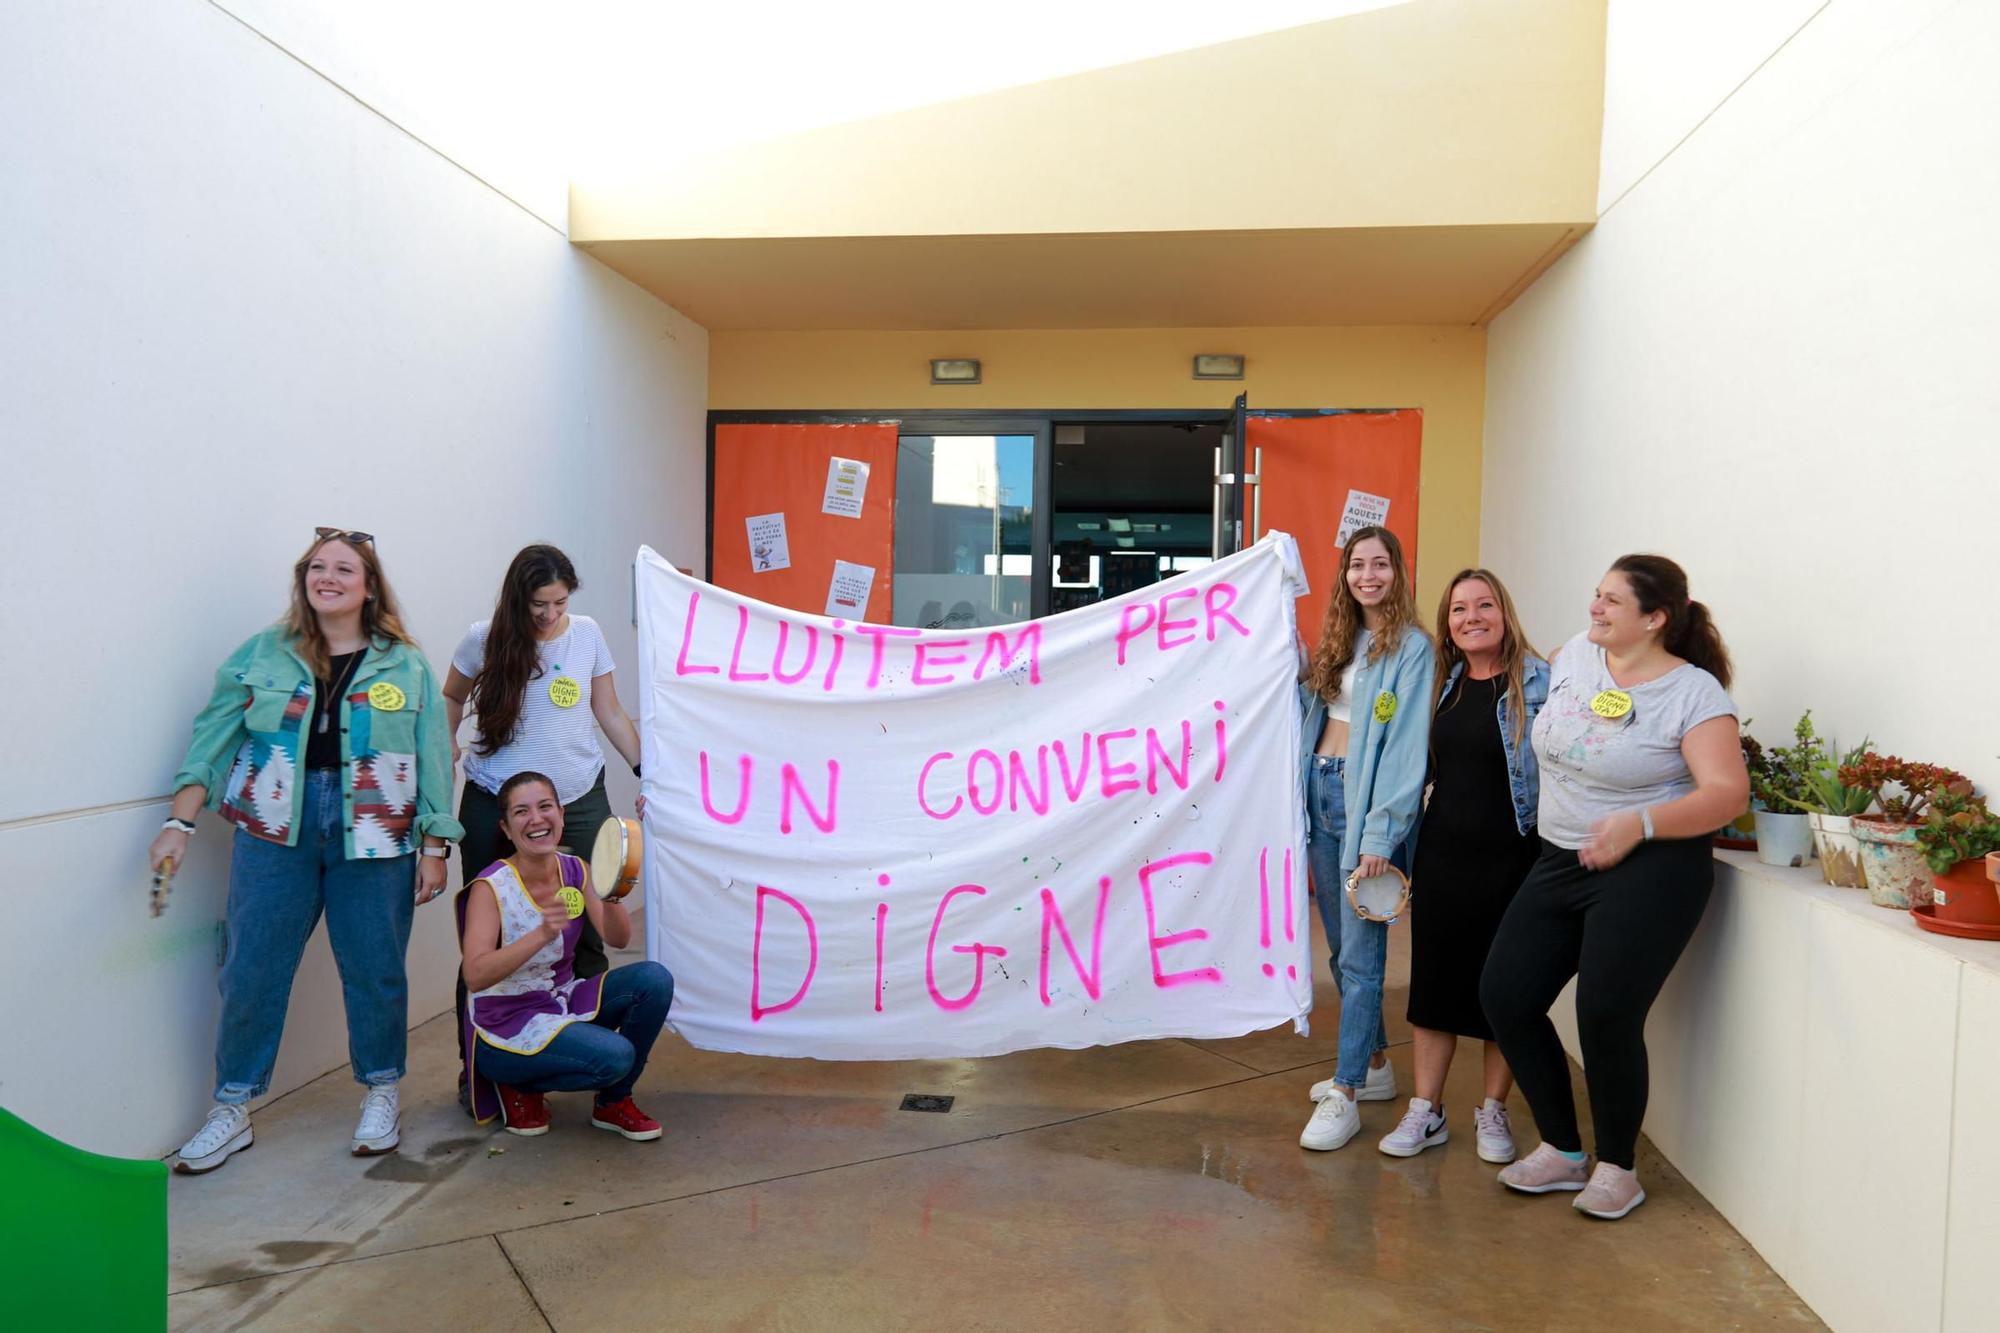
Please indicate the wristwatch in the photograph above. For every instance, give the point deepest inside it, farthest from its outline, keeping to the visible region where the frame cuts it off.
(441, 853)
(176, 822)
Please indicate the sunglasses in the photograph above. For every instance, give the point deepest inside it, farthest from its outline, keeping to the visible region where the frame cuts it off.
(336, 534)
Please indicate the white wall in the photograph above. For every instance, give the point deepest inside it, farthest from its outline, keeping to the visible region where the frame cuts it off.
(1774, 359)
(240, 304)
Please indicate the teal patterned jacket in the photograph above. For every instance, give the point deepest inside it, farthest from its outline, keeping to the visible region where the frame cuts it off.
(395, 747)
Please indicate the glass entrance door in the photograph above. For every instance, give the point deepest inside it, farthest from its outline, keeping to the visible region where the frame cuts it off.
(967, 538)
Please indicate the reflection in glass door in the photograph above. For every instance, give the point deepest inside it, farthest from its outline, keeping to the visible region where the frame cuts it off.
(965, 518)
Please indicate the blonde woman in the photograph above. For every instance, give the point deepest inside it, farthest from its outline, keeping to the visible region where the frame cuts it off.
(1366, 699)
(324, 743)
(1477, 846)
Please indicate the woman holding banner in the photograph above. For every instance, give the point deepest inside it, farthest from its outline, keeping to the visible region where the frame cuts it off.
(533, 1026)
(324, 743)
(540, 681)
(1640, 764)
(1478, 841)
(1366, 697)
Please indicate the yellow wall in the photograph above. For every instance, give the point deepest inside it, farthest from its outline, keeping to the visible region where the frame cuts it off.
(1439, 369)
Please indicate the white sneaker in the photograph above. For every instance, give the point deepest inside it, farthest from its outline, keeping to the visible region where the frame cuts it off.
(1493, 1133)
(227, 1130)
(1334, 1121)
(379, 1130)
(1379, 1086)
(1421, 1127)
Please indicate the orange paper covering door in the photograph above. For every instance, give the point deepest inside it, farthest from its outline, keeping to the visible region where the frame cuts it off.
(781, 469)
(1311, 463)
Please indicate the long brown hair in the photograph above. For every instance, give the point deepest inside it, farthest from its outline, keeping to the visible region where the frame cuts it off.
(513, 652)
(1344, 620)
(1690, 633)
(1515, 649)
(380, 618)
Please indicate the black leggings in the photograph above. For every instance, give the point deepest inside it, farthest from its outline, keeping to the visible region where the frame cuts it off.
(1619, 932)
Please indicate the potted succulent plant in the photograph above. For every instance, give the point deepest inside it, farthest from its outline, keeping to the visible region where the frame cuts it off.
(1892, 861)
(1957, 835)
(1830, 804)
(1778, 781)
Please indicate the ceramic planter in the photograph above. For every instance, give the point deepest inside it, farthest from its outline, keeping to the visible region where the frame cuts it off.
(1893, 863)
(1965, 904)
(1739, 835)
(1838, 849)
(1783, 839)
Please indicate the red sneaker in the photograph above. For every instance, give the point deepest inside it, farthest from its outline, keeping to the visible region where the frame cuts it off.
(523, 1113)
(624, 1117)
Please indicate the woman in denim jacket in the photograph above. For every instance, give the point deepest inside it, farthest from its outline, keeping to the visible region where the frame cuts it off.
(1478, 842)
(1366, 699)
(325, 743)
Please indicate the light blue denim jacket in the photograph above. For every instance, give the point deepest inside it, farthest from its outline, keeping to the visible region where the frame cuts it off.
(1383, 785)
(1524, 778)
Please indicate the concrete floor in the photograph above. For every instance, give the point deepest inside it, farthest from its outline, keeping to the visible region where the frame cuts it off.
(1151, 1185)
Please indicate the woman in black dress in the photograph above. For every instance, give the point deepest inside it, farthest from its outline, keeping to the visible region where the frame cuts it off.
(1475, 846)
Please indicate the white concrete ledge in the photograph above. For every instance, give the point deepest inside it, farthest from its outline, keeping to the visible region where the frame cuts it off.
(1828, 1075)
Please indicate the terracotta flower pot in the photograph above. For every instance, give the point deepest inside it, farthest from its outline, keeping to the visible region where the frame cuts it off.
(1966, 904)
(1839, 850)
(1893, 863)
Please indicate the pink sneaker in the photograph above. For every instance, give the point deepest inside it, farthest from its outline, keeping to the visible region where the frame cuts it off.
(1543, 1171)
(1613, 1192)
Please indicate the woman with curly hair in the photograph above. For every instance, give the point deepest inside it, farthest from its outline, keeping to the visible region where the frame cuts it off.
(1366, 700)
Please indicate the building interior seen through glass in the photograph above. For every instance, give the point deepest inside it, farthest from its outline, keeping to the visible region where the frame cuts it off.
(1131, 504)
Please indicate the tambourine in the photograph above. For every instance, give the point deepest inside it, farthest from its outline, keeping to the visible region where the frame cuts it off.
(1383, 897)
(614, 860)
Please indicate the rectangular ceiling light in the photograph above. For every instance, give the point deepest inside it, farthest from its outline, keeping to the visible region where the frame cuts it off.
(1118, 524)
(1212, 366)
(955, 370)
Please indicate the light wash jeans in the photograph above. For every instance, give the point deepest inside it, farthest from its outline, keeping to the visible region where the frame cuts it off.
(1360, 948)
(276, 896)
(606, 1054)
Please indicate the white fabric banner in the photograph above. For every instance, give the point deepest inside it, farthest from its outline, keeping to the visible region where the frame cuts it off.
(865, 842)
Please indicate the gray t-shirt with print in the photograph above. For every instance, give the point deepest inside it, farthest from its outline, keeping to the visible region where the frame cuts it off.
(1595, 766)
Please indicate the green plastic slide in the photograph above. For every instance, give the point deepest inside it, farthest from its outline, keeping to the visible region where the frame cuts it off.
(83, 1238)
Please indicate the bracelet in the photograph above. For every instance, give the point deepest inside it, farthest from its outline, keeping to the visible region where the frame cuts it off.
(441, 853)
(176, 822)
(1646, 824)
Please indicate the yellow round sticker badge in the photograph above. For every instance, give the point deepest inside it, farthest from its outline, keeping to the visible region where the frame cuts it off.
(1385, 705)
(385, 698)
(1611, 703)
(572, 900)
(564, 692)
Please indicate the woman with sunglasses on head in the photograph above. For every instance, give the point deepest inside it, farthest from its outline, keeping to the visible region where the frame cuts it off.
(533, 1026)
(1640, 763)
(324, 742)
(1366, 698)
(1475, 845)
(539, 680)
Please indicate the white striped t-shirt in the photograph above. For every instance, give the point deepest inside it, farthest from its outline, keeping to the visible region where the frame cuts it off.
(558, 741)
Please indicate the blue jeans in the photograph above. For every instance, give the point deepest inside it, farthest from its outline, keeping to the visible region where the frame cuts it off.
(1360, 948)
(276, 896)
(608, 1053)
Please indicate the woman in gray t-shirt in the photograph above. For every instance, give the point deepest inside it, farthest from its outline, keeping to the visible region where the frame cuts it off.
(1640, 764)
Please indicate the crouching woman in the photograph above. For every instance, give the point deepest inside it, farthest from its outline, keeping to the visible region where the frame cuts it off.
(533, 1026)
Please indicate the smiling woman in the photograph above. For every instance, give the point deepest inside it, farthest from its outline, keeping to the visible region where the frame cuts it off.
(324, 731)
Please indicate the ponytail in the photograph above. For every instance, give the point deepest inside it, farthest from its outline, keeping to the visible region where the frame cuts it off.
(1690, 633)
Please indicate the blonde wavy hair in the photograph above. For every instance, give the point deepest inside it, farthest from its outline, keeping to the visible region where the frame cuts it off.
(1344, 621)
(1515, 649)
(380, 618)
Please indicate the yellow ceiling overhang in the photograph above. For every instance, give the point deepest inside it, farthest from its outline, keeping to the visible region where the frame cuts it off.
(1418, 164)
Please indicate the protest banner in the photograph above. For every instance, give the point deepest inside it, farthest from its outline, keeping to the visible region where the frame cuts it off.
(869, 842)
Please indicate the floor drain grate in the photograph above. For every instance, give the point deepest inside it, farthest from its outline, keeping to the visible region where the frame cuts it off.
(926, 1101)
